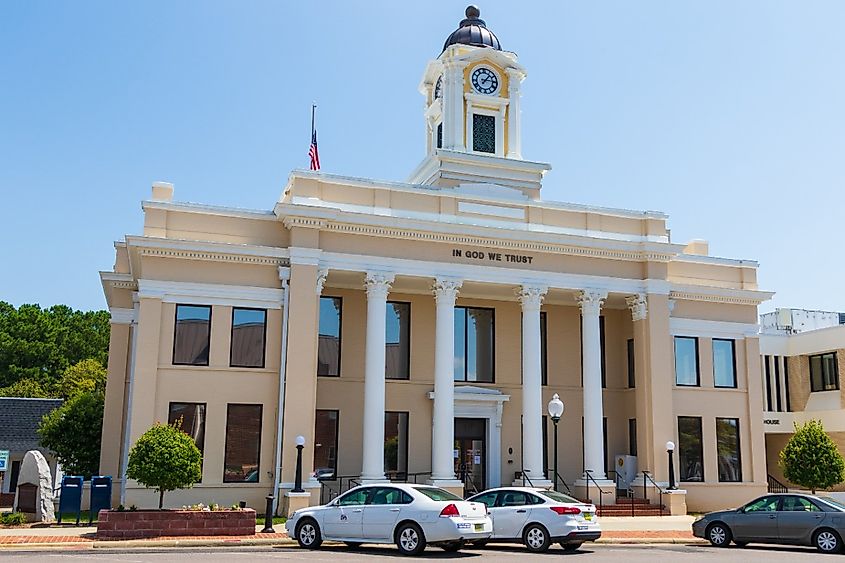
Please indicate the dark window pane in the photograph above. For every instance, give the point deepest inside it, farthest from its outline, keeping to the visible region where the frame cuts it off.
(325, 443)
(243, 444)
(328, 354)
(460, 343)
(248, 335)
(479, 345)
(824, 374)
(396, 444)
(724, 363)
(191, 419)
(727, 446)
(686, 360)
(632, 436)
(690, 455)
(439, 135)
(544, 354)
(632, 380)
(191, 339)
(483, 133)
(398, 343)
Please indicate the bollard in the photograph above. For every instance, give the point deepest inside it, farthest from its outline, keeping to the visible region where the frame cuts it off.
(268, 517)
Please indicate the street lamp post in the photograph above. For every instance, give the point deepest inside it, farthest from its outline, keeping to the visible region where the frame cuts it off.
(555, 412)
(670, 449)
(297, 485)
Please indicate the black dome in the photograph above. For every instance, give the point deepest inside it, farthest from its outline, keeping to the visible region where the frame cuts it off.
(473, 31)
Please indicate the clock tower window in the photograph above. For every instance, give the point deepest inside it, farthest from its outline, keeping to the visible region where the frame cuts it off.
(483, 133)
(440, 135)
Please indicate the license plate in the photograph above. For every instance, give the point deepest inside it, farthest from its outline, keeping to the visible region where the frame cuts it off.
(588, 516)
(583, 527)
(479, 527)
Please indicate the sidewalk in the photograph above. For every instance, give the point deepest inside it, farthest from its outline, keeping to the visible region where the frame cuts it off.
(615, 530)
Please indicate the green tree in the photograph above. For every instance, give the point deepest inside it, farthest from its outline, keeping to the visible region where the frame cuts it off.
(811, 459)
(24, 388)
(165, 459)
(40, 344)
(86, 376)
(74, 432)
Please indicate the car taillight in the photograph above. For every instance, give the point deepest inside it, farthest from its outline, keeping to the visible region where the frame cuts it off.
(450, 510)
(566, 509)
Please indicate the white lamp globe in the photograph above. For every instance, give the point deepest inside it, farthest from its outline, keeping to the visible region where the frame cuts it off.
(670, 446)
(555, 407)
(300, 440)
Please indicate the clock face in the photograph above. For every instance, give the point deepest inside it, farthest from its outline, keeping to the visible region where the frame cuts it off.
(438, 88)
(485, 80)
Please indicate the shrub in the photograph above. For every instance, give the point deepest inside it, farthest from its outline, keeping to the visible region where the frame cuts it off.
(811, 459)
(74, 431)
(13, 519)
(165, 459)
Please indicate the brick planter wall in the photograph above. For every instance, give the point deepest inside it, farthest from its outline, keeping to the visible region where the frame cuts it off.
(157, 523)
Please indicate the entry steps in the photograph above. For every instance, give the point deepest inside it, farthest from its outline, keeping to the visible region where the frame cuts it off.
(624, 506)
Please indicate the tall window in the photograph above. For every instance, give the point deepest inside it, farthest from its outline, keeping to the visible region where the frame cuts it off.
(690, 451)
(440, 135)
(724, 363)
(483, 133)
(632, 380)
(632, 436)
(243, 444)
(191, 420)
(727, 446)
(249, 332)
(328, 350)
(325, 443)
(686, 361)
(396, 445)
(823, 372)
(474, 344)
(544, 350)
(398, 352)
(192, 336)
(768, 376)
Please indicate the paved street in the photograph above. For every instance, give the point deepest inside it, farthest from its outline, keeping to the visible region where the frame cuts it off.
(598, 553)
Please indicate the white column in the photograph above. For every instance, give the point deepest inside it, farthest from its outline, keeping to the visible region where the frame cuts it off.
(591, 301)
(531, 297)
(443, 423)
(378, 286)
(515, 77)
(453, 105)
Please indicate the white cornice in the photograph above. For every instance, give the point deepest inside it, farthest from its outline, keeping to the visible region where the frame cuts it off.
(122, 315)
(211, 294)
(207, 251)
(720, 295)
(715, 260)
(711, 329)
(803, 343)
(187, 207)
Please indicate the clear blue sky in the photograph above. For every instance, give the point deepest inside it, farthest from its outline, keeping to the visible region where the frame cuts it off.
(729, 116)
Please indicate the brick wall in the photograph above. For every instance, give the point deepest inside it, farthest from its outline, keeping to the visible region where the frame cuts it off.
(157, 523)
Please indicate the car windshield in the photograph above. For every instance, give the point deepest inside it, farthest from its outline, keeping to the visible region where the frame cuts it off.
(437, 494)
(560, 497)
(834, 502)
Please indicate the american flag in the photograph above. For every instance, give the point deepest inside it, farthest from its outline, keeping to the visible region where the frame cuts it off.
(312, 150)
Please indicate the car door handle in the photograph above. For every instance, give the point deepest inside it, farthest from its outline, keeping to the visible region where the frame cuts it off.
(358, 510)
(520, 511)
(772, 516)
(394, 510)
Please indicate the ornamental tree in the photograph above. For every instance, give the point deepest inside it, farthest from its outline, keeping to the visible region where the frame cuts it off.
(74, 431)
(165, 459)
(811, 459)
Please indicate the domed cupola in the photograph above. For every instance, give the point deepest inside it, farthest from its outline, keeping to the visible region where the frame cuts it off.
(473, 31)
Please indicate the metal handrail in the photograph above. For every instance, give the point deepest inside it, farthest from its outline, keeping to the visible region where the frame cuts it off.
(525, 478)
(628, 493)
(589, 475)
(416, 476)
(656, 486)
(351, 481)
(775, 486)
(559, 479)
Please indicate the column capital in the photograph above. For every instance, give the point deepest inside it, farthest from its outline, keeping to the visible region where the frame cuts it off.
(446, 290)
(638, 304)
(530, 296)
(378, 284)
(322, 274)
(591, 300)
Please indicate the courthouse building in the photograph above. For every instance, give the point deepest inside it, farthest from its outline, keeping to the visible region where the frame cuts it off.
(417, 330)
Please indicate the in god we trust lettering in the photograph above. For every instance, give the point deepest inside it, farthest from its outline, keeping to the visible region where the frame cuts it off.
(491, 256)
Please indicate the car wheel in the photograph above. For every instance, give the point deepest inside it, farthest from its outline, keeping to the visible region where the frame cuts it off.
(410, 539)
(827, 541)
(308, 534)
(570, 546)
(718, 534)
(353, 544)
(452, 547)
(536, 538)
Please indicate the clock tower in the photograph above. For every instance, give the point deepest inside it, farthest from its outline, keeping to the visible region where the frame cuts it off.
(472, 114)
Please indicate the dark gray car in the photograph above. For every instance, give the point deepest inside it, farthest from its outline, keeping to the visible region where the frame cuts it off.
(786, 518)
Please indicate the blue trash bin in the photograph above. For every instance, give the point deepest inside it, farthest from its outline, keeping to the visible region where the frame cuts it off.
(71, 499)
(100, 495)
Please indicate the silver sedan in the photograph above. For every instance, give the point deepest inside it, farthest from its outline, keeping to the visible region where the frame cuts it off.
(786, 518)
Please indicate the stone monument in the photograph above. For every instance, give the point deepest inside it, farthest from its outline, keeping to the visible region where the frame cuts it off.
(34, 495)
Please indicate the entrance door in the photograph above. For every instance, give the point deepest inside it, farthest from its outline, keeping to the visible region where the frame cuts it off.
(471, 460)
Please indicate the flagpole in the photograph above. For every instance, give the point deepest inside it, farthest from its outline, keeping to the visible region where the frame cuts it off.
(313, 111)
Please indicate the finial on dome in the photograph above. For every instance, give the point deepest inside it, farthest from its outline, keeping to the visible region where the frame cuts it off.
(472, 11)
(473, 31)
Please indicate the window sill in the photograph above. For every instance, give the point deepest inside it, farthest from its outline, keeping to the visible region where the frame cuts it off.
(227, 369)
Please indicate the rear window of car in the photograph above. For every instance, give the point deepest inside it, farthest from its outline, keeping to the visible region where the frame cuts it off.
(560, 497)
(437, 494)
(833, 501)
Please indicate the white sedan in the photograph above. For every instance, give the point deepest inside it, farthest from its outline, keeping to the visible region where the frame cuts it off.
(539, 517)
(411, 516)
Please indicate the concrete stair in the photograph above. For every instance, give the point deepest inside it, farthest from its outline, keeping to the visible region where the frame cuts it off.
(623, 506)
